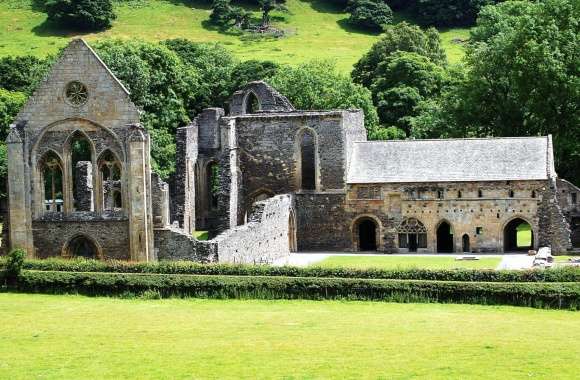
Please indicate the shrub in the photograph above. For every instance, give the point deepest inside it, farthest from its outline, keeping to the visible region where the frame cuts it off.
(13, 265)
(449, 12)
(81, 14)
(546, 295)
(22, 73)
(188, 267)
(370, 14)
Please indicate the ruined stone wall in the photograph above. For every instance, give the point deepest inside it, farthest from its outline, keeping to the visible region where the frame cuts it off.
(173, 244)
(160, 201)
(183, 194)
(461, 206)
(83, 183)
(263, 239)
(112, 236)
(322, 222)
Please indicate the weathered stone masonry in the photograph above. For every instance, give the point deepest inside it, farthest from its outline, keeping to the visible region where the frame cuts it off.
(264, 179)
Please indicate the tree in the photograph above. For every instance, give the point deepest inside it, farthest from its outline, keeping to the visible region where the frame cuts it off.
(214, 64)
(268, 6)
(22, 73)
(318, 85)
(10, 104)
(449, 12)
(161, 85)
(522, 79)
(81, 14)
(370, 14)
(253, 70)
(401, 83)
(223, 14)
(399, 37)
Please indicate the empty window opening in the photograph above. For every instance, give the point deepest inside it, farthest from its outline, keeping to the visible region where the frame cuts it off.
(440, 194)
(82, 246)
(518, 236)
(465, 243)
(110, 170)
(213, 184)
(82, 172)
(575, 235)
(367, 235)
(307, 158)
(51, 171)
(533, 193)
(459, 194)
(252, 103)
(117, 199)
(445, 238)
(511, 193)
(412, 235)
(480, 193)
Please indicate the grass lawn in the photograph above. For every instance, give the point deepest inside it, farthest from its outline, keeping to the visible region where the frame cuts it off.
(393, 262)
(73, 337)
(317, 30)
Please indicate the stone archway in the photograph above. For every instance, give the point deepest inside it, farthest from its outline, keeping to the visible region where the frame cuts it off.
(82, 246)
(465, 243)
(366, 234)
(518, 235)
(445, 241)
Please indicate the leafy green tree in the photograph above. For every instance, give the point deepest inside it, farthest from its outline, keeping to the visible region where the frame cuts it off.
(522, 80)
(214, 65)
(225, 15)
(448, 12)
(401, 83)
(318, 85)
(267, 6)
(252, 70)
(370, 14)
(160, 84)
(81, 14)
(10, 104)
(525, 75)
(399, 37)
(22, 73)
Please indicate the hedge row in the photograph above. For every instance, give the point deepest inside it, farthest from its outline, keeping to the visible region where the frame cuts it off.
(187, 267)
(542, 295)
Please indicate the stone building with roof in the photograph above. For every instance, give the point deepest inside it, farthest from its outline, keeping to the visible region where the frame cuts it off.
(265, 180)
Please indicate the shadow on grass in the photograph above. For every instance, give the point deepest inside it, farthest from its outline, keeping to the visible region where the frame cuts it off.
(348, 27)
(50, 29)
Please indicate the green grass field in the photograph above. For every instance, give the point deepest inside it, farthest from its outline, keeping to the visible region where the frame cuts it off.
(317, 29)
(73, 337)
(394, 262)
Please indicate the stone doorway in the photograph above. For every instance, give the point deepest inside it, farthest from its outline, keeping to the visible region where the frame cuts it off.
(367, 234)
(465, 243)
(81, 246)
(445, 238)
(518, 236)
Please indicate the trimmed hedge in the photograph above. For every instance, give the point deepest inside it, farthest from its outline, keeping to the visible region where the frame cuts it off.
(542, 295)
(187, 267)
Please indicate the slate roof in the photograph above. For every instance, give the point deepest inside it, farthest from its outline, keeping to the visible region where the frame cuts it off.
(451, 160)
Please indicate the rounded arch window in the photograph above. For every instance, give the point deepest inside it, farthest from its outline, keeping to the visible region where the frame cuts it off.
(76, 93)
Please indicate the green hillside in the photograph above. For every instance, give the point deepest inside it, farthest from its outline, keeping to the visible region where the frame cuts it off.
(316, 29)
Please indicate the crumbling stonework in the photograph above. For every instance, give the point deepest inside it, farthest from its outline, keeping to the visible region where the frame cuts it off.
(83, 183)
(264, 180)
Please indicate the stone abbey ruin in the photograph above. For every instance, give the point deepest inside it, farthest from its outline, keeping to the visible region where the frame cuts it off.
(265, 180)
